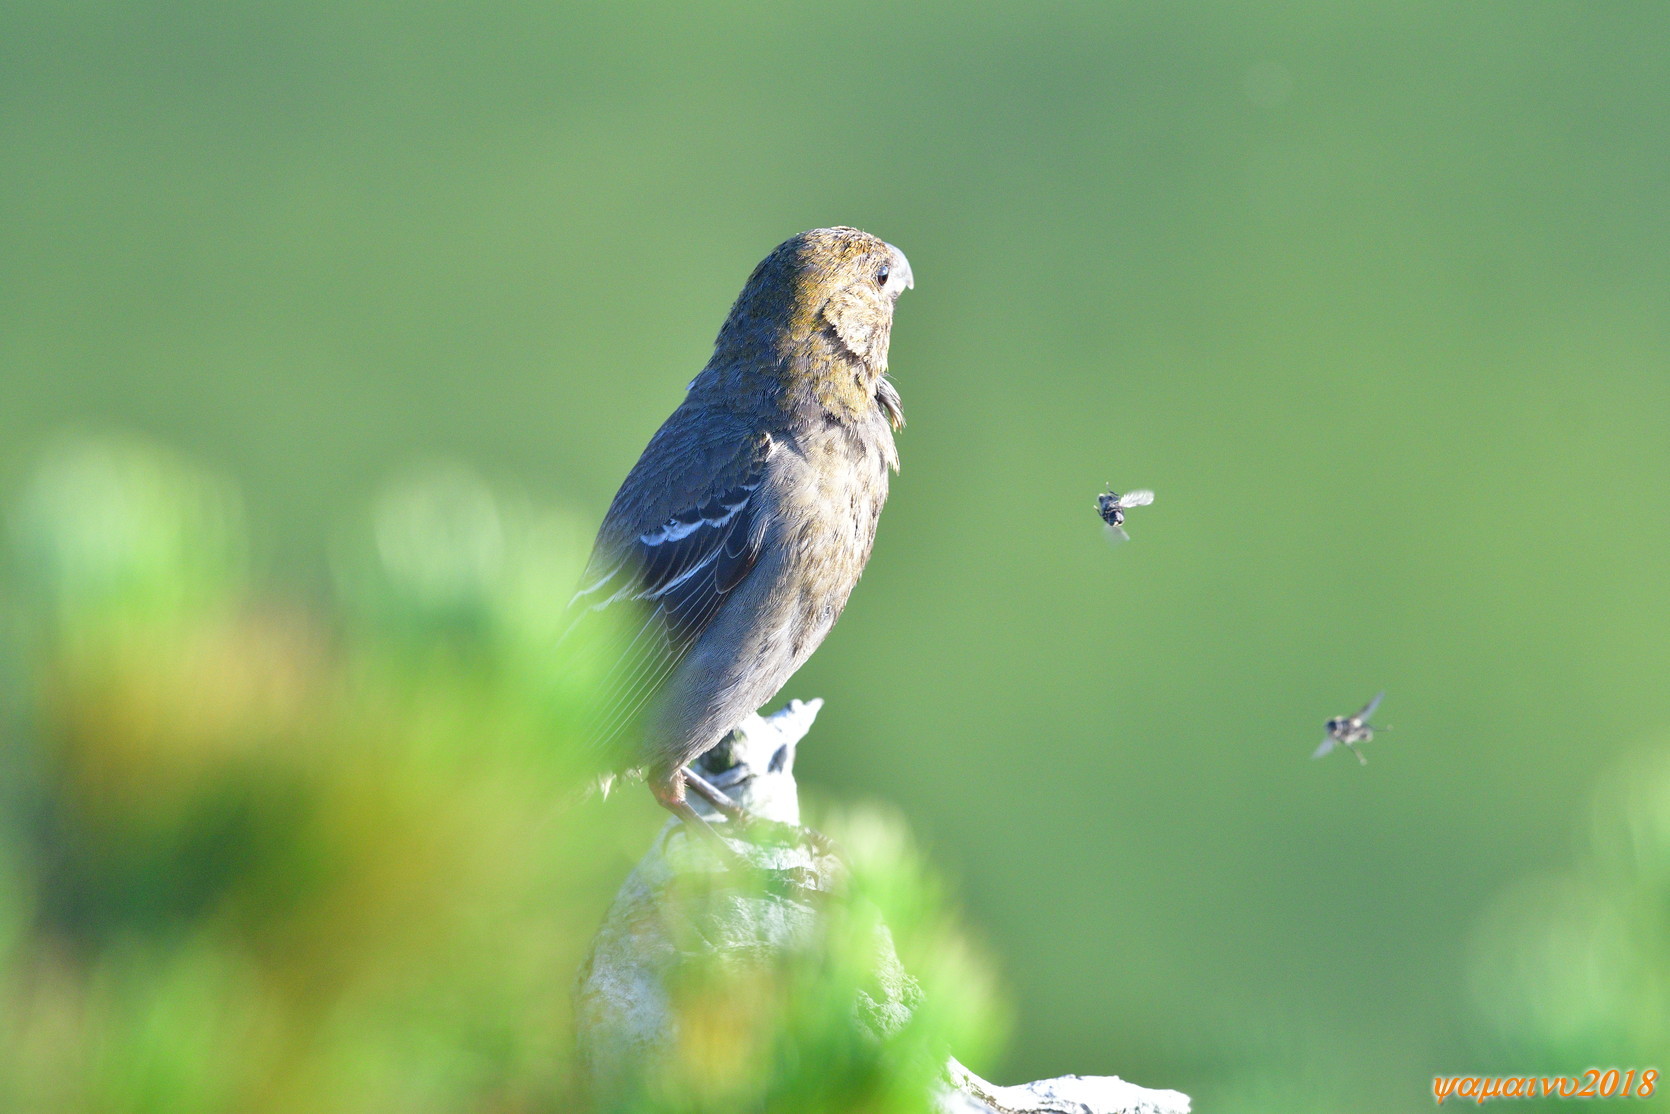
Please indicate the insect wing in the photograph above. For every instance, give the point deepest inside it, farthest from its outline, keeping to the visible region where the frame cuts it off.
(1115, 534)
(1368, 709)
(1327, 745)
(1139, 498)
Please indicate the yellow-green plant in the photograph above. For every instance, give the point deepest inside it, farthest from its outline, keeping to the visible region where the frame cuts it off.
(263, 857)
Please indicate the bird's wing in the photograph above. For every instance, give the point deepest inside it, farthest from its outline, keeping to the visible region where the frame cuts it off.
(1327, 745)
(661, 585)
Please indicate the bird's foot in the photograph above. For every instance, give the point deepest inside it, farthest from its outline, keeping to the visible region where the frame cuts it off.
(714, 796)
(672, 799)
(749, 822)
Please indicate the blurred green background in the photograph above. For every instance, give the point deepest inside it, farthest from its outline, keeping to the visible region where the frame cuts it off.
(1374, 296)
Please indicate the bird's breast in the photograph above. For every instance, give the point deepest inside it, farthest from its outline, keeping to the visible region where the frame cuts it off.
(832, 501)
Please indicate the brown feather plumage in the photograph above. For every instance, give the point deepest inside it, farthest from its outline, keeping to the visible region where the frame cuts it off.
(741, 531)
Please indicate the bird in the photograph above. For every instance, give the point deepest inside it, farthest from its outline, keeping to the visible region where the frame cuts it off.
(735, 541)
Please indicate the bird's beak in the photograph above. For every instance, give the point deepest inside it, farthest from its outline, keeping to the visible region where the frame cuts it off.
(903, 264)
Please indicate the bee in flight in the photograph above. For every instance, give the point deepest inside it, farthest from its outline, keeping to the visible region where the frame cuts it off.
(1112, 507)
(1348, 731)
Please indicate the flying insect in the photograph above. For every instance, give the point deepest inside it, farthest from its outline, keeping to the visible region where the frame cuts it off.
(1348, 731)
(1112, 507)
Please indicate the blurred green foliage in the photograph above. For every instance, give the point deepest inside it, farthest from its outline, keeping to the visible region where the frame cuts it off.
(253, 860)
(1572, 967)
(818, 1024)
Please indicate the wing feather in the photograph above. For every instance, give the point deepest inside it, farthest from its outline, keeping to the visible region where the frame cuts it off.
(676, 574)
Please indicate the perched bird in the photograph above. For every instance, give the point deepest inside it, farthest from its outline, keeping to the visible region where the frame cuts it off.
(734, 542)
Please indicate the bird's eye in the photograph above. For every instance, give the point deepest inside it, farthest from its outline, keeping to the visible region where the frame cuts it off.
(881, 274)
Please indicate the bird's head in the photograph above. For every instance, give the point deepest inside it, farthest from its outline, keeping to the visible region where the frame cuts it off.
(821, 304)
